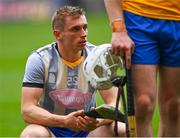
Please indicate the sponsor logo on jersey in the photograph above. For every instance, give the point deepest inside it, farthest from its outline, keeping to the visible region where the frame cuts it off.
(71, 98)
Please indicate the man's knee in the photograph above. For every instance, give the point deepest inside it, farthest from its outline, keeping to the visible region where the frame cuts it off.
(121, 129)
(173, 109)
(35, 131)
(144, 106)
(108, 131)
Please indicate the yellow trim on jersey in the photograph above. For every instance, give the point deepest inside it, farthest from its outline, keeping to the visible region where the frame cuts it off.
(73, 64)
(159, 9)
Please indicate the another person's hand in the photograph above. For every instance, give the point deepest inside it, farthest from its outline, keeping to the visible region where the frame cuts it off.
(92, 123)
(122, 45)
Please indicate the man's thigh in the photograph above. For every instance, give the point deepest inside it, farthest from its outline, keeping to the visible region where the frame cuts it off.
(144, 79)
(34, 130)
(108, 131)
(169, 84)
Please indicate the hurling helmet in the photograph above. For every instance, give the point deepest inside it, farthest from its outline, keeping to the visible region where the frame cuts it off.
(101, 66)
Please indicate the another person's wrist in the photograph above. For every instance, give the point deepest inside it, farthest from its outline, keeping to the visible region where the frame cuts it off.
(118, 25)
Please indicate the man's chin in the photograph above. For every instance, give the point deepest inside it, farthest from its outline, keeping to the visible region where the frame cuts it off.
(82, 45)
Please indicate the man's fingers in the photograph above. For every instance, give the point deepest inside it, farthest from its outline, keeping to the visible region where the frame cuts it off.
(132, 49)
(116, 50)
(82, 121)
(78, 113)
(91, 119)
(128, 54)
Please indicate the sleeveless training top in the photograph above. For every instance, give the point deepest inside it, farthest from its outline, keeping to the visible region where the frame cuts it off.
(65, 88)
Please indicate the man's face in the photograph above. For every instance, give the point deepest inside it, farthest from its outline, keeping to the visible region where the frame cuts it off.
(74, 35)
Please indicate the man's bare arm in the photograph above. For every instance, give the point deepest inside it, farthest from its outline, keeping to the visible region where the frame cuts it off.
(121, 42)
(114, 9)
(33, 114)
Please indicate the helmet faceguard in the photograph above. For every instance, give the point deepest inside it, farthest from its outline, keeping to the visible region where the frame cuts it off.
(101, 66)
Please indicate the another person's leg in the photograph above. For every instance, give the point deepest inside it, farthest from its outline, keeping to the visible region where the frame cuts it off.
(169, 101)
(145, 60)
(144, 88)
(108, 131)
(33, 131)
(169, 93)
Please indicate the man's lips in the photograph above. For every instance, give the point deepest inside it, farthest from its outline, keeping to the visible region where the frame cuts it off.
(83, 42)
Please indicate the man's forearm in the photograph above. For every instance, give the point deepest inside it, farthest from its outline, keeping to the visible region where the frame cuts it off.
(114, 9)
(115, 14)
(37, 115)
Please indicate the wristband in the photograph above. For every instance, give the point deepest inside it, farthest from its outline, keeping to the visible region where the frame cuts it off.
(118, 26)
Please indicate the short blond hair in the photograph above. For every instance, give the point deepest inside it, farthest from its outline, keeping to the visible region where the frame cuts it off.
(58, 18)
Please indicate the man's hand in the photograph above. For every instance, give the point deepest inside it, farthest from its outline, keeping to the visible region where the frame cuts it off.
(77, 121)
(92, 123)
(122, 45)
(72, 121)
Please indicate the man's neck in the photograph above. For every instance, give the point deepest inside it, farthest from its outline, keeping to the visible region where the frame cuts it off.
(69, 54)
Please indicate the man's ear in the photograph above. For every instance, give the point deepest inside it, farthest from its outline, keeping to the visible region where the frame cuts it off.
(57, 34)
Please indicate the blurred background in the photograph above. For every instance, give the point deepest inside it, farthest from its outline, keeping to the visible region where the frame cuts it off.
(25, 25)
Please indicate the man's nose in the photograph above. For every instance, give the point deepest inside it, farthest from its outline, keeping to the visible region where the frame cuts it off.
(84, 33)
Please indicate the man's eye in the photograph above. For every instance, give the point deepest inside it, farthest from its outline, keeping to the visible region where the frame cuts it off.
(85, 28)
(75, 29)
